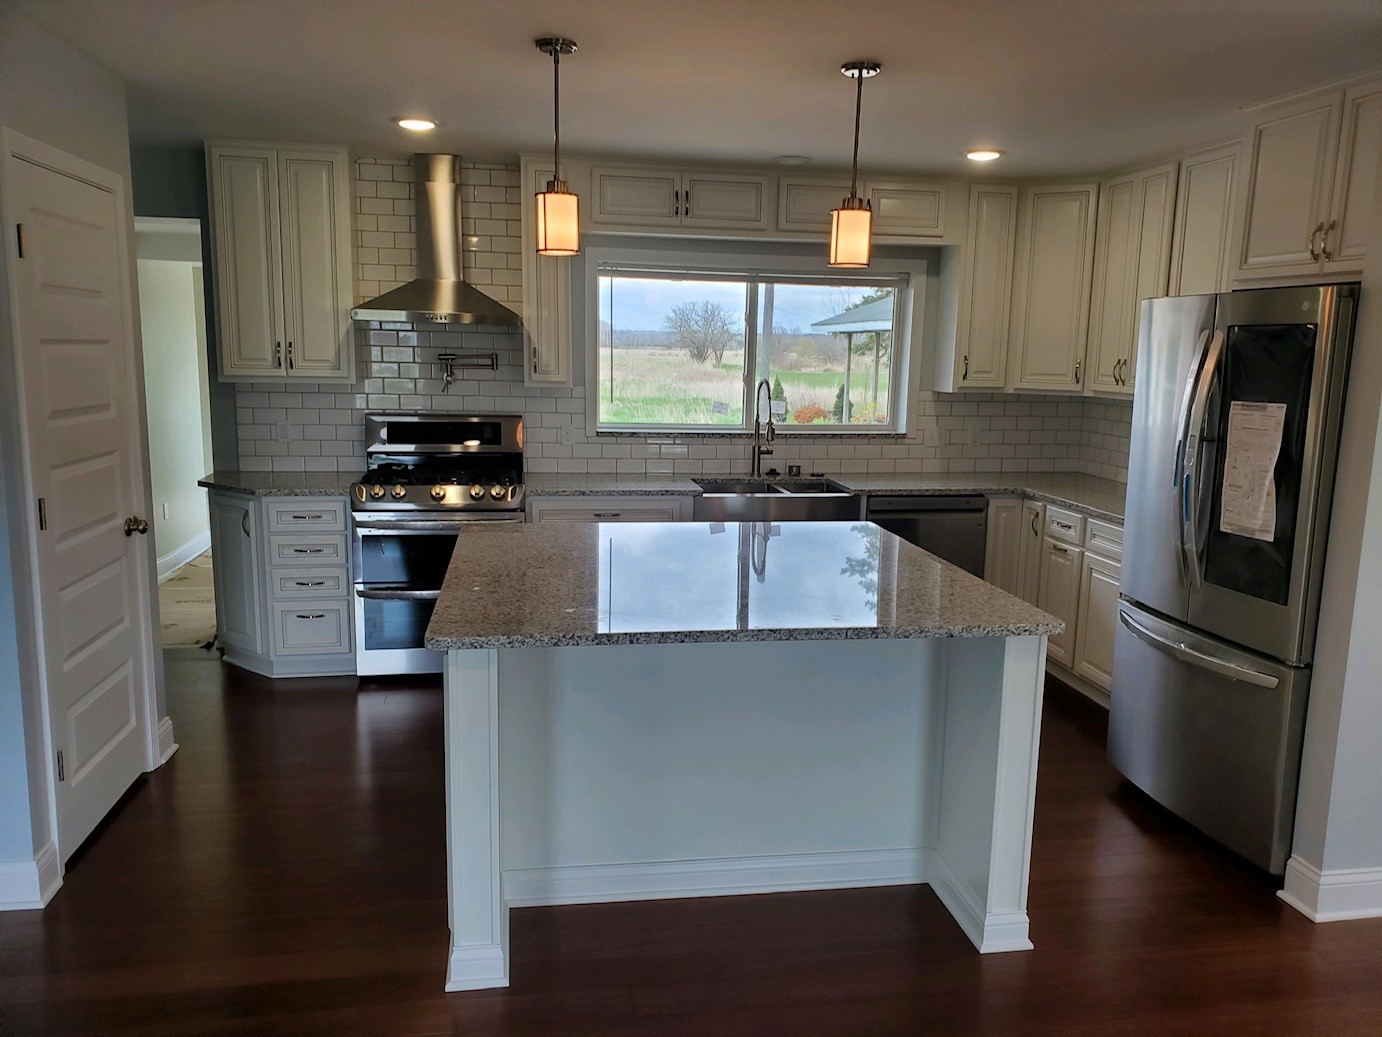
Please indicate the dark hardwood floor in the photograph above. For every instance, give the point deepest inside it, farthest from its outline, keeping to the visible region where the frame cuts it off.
(284, 874)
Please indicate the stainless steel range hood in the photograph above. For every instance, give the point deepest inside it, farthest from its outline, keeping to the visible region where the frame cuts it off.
(439, 294)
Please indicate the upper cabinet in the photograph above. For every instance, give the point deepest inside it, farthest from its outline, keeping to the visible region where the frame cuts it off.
(623, 198)
(281, 218)
(546, 296)
(1200, 245)
(906, 209)
(1131, 262)
(914, 210)
(1305, 188)
(1051, 286)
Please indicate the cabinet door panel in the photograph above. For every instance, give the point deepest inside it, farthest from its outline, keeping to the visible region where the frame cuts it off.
(1097, 620)
(1029, 554)
(312, 628)
(1115, 268)
(636, 196)
(806, 205)
(1156, 197)
(722, 201)
(1060, 596)
(1002, 551)
(314, 192)
(244, 188)
(1203, 223)
(982, 337)
(606, 509)
(546, 302)
(235, 572)
(907, 210)
(1360, 145)
(1051, 293)
(1290, 167)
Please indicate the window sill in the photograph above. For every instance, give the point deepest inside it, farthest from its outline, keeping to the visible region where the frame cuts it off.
(675, 434)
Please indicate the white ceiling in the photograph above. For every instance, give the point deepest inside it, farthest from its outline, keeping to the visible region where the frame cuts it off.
(1060, 85)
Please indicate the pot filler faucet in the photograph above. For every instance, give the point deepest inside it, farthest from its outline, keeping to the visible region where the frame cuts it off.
(760, 434)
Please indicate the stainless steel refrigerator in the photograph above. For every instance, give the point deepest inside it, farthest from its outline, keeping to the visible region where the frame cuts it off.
(1236, 418)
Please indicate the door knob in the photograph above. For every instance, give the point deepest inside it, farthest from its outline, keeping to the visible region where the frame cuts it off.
(134, 524)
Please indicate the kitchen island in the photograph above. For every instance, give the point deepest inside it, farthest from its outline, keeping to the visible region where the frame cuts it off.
(692, 709)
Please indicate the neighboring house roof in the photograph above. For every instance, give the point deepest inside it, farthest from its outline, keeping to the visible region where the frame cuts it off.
(872, 316)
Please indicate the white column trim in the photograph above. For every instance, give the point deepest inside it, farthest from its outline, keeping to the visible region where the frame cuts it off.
(1332, 896)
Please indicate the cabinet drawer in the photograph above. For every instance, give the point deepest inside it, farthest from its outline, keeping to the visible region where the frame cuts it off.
(1062, 524)
(307, 550)
(305, 515)
(1104, 538)
(310, 583)
(312, 628)
(621, 513)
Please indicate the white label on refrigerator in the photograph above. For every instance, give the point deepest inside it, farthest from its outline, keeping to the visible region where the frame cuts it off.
(1249, 491)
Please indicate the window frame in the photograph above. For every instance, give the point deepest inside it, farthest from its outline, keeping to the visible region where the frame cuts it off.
(907, 277)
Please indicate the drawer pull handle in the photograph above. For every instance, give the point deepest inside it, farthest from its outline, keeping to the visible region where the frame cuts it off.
(607, 514)
(311, 615)
(307, 550)
(308, 518)
(310, 583)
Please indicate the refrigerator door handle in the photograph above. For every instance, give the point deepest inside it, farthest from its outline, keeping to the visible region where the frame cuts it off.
(1204, 660)
(1178, 479)
(1190, 459)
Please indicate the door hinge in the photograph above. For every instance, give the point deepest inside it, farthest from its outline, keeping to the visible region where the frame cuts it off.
(62, 770)
(19, 235)
(42, 514)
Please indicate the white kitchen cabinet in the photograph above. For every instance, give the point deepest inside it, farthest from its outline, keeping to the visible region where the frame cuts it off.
(982, 299)
(1201, 240)
(649, 198)
(1051, 287)
(1003, 546)
(1131, 263)
(906, 209)
(1096, 618)
(668, 508)
(1060, 595)
(1306, 185)
(281, 571)
(546, 295)
(281, 241)
(804, 203)
(236, 571)
(1029, 551)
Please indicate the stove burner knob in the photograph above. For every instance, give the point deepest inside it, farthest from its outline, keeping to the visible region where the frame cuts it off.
(376, 491)
(439, 493)
(399, 492)
(497, 492)
(477, 492)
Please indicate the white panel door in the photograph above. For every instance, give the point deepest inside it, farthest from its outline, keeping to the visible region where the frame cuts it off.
(1287, 179)
(1097, 619)
(236, 572)
(1003, 549)
(1115, 269)
(1203, 222)
(1153, 218)
(1029, 551)
(1360, 147)
(245, 229)
(75, 363)
(1060, 596)
(986, 291)
(731, 202)
(314, 193)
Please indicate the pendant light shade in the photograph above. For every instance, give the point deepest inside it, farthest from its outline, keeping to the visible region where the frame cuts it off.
(558, 220)
(851, 225)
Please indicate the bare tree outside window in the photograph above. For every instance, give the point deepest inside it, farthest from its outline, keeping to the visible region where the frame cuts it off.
(703, 328)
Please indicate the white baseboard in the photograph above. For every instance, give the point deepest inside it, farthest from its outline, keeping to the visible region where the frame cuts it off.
(166, 745)
(169, 564)
(478, 968)
(1332, 896)
(29, 885)
(990, 934)
(664, 880)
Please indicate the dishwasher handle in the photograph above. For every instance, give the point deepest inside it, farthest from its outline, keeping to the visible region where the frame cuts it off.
(935, 502)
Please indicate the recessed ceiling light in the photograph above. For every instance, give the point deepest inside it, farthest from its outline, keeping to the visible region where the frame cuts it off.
(791, 160)
(983, 155)
(417, 125)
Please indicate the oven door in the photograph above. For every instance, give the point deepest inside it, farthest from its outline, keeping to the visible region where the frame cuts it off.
(399, 566)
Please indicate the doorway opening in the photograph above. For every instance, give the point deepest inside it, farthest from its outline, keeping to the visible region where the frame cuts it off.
(172, 310)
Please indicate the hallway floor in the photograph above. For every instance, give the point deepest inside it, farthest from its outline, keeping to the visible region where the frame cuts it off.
(187, 605)
(285, 874)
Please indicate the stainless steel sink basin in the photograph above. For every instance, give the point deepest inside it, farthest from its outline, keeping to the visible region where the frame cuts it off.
(761, 500)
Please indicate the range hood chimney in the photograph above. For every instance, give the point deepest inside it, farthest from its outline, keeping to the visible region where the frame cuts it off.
(439, 294)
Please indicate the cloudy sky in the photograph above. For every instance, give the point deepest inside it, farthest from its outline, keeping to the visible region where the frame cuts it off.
(639, 303)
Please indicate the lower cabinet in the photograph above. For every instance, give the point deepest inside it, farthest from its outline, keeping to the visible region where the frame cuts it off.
(1029, 551)
(1003, 548)
(669, 508)
(1097, 618)
(1060, 595)
(281, 571)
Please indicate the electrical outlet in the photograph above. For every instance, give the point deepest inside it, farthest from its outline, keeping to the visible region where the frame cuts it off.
(283, 432)
(568, 435)
(165, 509)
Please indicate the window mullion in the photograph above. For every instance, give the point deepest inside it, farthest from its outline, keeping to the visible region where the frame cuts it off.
(750, 349)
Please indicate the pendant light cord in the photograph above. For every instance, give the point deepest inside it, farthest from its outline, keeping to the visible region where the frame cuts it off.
(556, 113)
(858, 109)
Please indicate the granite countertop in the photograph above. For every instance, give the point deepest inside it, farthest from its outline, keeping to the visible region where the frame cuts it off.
(1088, 494)
(676, 582)
(282, 484)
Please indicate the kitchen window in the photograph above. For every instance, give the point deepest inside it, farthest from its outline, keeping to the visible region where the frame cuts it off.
(682, 348)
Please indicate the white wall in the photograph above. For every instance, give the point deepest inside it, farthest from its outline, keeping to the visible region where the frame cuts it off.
(174, 382)
(1339, 815)
(55, 94)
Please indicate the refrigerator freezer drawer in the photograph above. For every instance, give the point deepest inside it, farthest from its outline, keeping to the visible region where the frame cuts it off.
(1211, 732)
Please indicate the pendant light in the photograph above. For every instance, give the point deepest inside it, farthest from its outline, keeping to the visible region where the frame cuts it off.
(851, 225)
(558, 210)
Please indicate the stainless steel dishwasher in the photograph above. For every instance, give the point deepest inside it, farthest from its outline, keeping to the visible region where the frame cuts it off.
(954, 528)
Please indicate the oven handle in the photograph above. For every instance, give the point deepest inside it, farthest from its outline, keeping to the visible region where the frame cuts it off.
(396, 594)
(422, 525)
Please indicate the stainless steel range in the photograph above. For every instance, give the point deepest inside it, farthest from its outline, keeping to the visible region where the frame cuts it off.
(430, 478)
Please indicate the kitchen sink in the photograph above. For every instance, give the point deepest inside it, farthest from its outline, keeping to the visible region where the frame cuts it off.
(763, 500)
